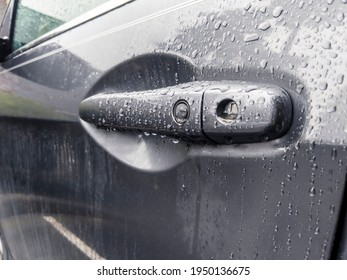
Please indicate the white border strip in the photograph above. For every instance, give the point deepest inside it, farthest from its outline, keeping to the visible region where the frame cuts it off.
(72, 238)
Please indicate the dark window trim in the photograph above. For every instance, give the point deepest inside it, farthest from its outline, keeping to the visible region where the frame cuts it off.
(6, 28)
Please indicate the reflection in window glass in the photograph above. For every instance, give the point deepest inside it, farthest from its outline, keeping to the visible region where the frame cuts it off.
(36, 17)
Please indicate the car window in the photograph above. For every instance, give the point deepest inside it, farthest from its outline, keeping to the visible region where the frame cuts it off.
(35, 18)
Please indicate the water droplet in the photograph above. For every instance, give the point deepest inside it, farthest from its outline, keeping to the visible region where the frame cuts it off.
(263, 63)
(264, 26)
(218, 25)
(340, 78)
(340, 17)
(295, 166)
(251, 37)
(331, 109)
(312, 191)
(299, 88)
(277, 11)
(297, 145)
(261, 100)
(316, 231)
(323, 85)
(326, 44)
(333, 153)
(314, 166)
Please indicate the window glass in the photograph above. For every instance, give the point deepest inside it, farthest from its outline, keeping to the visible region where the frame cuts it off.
(36, 17)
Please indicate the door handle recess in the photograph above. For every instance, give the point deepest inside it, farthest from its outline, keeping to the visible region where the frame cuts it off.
(220, 112)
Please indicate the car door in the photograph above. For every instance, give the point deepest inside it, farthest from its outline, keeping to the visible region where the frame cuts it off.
(260, 176)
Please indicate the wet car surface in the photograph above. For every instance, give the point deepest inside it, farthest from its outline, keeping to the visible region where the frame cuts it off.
(72, 188)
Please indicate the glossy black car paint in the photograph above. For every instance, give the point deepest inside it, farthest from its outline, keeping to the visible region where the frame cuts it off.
(147, 197)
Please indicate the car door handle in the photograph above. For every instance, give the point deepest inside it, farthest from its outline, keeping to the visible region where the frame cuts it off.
(221, 112)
